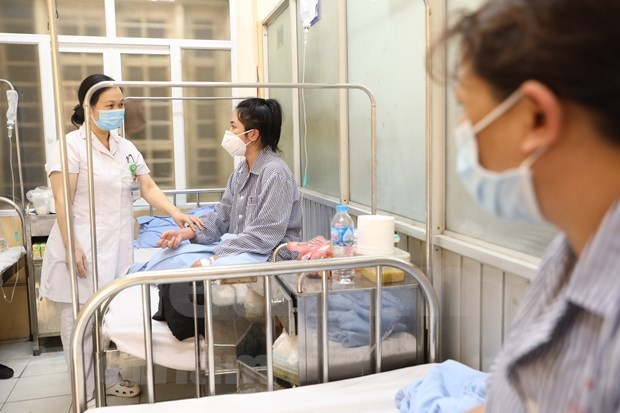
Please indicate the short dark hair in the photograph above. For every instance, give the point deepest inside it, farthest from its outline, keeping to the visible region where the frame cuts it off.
(265, 115)
(568, 45)
(78, 111)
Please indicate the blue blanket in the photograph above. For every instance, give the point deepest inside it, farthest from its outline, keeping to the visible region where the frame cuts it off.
(449, 387)
(151, 227)
(187, 254)
(349, 317)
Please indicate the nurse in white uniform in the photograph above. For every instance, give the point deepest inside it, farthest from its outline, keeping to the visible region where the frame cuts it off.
(120, 177)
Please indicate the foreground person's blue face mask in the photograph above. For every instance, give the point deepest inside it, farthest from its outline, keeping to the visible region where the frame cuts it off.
(509, 194)
(110, 119)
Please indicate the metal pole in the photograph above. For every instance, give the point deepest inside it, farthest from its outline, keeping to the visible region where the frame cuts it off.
(93, 239)
(268, 333)
(343, 105)
(148, 342)
(378, 320)
(210, 338)
(196, 341)
(428, 256)
(166, 98)
(51, 12)
(91, 191)
(324, 327)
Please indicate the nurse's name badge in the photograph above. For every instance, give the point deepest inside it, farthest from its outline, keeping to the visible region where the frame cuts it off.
(135, 190)
(135, 185)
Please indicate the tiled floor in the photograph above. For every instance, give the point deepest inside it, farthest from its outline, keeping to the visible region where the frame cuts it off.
(41, 384)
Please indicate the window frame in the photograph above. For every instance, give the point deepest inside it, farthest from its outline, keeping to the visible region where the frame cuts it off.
(112, 47)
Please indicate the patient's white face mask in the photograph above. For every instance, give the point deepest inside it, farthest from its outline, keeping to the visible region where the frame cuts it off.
(233, 144)
(509, 194)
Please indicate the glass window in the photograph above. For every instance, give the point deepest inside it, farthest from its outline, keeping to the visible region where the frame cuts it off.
(74, 68)
(23, 16)
(462, 215)
(401, 144)
(152, 132)
(19, 64)
(75, 17)
(279, 63)
(321, 66)
(207, 165)
(80, 17)
(188, 19)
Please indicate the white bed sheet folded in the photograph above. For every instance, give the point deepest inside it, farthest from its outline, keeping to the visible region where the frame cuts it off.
(373, 393)
(10, 257)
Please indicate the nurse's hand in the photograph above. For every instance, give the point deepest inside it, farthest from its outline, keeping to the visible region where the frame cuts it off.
(80, 261)
(184, 220)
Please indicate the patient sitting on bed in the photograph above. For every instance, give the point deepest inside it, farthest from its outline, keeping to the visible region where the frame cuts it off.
(261, 203)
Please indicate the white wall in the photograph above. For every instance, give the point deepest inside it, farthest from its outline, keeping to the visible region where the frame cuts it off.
(247, 49)
(264, 7)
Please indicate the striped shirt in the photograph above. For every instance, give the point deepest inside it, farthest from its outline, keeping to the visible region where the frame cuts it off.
(261, 204)
(563, 351)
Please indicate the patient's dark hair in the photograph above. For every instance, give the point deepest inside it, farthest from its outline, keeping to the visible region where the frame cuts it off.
(78, 111)
(568, 45)
(265, 115)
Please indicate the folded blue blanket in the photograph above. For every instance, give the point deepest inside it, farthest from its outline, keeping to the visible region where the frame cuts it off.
(187, 254)
(151, 227)
(349, 317)
(449, 387)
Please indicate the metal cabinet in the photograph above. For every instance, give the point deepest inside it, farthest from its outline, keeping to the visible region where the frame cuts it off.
(44, 314)
(351, 339)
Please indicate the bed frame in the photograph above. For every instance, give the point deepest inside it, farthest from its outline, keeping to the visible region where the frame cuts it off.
(207, 276)
(266, 271)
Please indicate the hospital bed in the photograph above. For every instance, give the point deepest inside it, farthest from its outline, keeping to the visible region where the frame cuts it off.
(267, 271)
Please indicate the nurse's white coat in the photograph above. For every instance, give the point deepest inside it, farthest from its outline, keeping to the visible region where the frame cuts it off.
(114, 215)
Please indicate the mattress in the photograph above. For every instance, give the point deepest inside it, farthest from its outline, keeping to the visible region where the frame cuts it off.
(373, 393)
(123, 323)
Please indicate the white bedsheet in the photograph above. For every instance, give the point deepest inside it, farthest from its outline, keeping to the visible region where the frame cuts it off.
(373, 393)
(10, 257)
(144, 254)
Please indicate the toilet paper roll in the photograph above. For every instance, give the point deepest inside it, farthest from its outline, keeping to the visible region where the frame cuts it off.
(375, 234)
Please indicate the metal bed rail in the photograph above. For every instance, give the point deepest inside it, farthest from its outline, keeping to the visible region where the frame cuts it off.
(207, 275)
(175, 193)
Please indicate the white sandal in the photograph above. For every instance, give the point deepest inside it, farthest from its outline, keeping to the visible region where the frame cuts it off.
(123, 388)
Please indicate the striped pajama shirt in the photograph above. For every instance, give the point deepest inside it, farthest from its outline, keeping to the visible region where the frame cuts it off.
(563, 350)
(261, 204)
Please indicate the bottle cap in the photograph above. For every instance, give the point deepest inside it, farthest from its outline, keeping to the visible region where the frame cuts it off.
(342, 208)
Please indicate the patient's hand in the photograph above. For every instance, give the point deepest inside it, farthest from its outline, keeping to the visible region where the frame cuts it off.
(173, 238)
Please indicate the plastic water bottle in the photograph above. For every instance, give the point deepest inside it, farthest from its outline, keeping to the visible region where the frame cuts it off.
(342, 237)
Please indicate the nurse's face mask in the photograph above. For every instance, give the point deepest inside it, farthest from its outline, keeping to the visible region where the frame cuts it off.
(508, 194)
(110, 119)
(233, 144)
